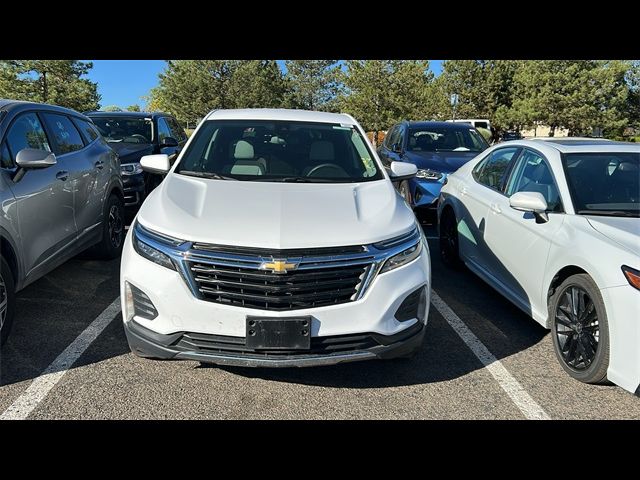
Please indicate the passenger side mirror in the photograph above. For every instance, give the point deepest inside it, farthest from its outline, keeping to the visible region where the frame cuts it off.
(533, 202)
(29, 158)
(155, 163)
(402, 171)
(168, 142)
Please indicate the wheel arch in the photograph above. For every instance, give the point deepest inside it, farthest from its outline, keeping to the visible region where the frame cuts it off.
(560, 276)
(8, 252)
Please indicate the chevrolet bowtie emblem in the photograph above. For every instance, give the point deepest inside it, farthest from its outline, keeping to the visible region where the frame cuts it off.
(279, 266)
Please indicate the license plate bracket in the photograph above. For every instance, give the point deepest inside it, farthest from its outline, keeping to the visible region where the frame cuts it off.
(268, 333)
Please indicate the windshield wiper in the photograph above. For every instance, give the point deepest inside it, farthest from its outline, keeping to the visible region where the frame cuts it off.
(612, 213)
(216, 176)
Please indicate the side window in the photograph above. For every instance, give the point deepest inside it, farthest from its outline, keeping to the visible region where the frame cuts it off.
(177, 131)
(163, 130)
(533, 174)
(26, 132)
(387, 139)
(89, 131)
(65, 134)
(492, 170)
(5, 157)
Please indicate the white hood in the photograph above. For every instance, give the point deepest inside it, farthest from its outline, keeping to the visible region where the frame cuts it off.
(624, 231)
(274, 214)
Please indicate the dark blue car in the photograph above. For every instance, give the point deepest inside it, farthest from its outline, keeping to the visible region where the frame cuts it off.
(436, 148)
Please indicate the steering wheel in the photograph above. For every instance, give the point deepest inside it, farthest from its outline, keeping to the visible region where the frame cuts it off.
(328, 166)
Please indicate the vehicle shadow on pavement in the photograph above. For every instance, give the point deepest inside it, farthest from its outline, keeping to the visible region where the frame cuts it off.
(53, 311)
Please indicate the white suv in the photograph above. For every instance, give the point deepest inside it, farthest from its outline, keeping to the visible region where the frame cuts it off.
(276, 239)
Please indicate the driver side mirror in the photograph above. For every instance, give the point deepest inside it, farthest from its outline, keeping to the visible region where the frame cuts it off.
(402, 171)
(168, 142)
(533, 202)
(30, 158)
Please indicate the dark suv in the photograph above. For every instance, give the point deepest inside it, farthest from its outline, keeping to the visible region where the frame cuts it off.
(136, 134)
(61, 193)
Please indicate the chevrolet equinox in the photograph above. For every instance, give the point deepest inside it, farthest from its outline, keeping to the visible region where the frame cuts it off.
(276, 239)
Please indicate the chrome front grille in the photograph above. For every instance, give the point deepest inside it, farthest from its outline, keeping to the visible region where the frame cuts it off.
(317, 280)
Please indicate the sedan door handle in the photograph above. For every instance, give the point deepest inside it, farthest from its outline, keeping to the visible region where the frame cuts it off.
(63, 175)
(99, 164)
(496, 209)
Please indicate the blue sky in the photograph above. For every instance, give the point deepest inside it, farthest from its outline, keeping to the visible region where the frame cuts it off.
(125, 82)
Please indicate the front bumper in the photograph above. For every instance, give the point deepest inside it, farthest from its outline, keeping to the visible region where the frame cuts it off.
(623, 304)
(230, 350)
(180, 313)
(425, 193)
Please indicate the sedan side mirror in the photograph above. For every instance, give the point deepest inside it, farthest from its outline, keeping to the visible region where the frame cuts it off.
(34, 158)
(155, 163)
(533, 202)
(402, 171)
(168, 142)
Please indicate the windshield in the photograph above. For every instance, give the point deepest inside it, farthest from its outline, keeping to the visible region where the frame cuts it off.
(443, 139)
(286, 151)
(124, 129)
(604, 183)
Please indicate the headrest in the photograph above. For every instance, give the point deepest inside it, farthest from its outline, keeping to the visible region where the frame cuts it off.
(243, 151)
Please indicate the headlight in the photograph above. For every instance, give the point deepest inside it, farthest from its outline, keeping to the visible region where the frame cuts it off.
(633, 276)
(147, 251)
(428, 174)
(402, 258)
(130, 169)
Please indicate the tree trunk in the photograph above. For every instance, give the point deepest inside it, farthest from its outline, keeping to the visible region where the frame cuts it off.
(375, 138)
(552, 130)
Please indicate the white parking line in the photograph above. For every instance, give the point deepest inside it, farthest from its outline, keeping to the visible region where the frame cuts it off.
(527, 405)
(42, 384)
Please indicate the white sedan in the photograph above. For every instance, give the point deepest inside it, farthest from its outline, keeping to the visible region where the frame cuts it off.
(554, 226)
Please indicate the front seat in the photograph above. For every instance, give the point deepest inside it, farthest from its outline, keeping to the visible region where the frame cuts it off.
(321, 151)
(245, 162)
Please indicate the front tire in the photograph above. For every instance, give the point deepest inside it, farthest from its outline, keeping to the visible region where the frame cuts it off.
(113, 229)
(7, 300)
(580, 329)
(449, 241)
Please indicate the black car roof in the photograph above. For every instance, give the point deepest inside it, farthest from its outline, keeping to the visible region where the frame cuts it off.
(439, 124)
(127, 114)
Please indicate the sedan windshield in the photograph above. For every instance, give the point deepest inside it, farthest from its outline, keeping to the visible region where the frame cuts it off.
(279, 151)
(124, 129)
(443, 139)
(604, 183)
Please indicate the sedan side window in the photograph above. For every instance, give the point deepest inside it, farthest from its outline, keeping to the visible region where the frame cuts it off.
(492, 171)
(533, 174)
(27, 132)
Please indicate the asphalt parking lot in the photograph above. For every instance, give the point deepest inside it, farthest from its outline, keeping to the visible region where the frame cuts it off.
(482, 359)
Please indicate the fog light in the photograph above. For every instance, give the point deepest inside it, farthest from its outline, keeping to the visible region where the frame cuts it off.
(414, 306)
(138, 304)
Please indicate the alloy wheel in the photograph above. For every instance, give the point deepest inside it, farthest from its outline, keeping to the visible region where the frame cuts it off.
(577, 328)
(115, 226)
